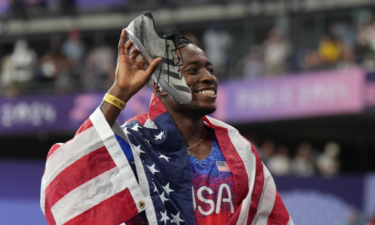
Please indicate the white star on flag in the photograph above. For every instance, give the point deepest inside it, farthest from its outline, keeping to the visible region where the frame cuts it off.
(167, 189)
(164, 157)
(148, 141)
(126, 131)
(155, 189)
(164, 217)
(163, 198)
(136, 126)
(176, 218)
(159, 136)
(138, 149)
(152, 169)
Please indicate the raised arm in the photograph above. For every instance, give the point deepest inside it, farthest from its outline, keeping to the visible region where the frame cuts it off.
(129, 78)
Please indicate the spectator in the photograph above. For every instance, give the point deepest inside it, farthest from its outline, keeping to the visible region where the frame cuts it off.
(302, 164)
(342, 31)
(252, 64)
(329, 51)
(74, 49)
(99, 68)
(267, 149)
(347, 59)
(6, 77)
(55, 70)
(328, 163)
(366, 40)
(20, 67)
(279, 164)
(217, 43)
(192, 37)
(276, 52)
(370, 34)
(362, 47)
(312, 60)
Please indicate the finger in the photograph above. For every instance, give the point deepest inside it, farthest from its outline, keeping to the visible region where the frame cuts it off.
(128, 46)
(154, 64)
(141, 63)
(121, 43)
(135, 53)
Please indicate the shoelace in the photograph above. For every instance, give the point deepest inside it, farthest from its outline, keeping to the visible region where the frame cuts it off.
(176, 37)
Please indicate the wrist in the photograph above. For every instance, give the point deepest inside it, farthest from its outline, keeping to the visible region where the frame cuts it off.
(120, 93)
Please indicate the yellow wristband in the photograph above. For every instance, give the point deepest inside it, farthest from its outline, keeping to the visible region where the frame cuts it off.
(114, 101)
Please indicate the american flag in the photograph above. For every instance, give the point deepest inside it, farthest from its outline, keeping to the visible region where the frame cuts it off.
(222, 166)
(109, 175)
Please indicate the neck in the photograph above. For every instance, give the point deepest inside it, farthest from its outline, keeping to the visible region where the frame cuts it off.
(191, 129)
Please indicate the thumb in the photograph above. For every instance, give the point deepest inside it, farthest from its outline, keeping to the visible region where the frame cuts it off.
(154, 64)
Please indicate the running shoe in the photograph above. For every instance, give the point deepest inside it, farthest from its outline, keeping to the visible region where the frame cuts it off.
(141, 31)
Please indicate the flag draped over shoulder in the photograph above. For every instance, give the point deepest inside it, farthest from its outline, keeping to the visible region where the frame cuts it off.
(109, 175)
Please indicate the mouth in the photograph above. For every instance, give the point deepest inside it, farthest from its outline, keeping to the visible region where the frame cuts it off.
(207, 92)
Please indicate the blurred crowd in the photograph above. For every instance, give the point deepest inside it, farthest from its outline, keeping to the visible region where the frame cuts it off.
(69, 64)
(306, 161)
(65, 67)
(342, 46)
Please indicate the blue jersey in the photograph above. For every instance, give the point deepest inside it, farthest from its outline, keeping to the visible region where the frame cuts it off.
(213, 186)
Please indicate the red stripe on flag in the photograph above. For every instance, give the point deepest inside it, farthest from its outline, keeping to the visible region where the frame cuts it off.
(81, 171)
(114, 210)
(234, 218)
(139, 118)
(86, 125)
(234, 161)
(258, 186)
(279, 214)
(53, 149)
(155, 110)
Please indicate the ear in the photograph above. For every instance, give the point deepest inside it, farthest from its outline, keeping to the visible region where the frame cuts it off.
(158, 90)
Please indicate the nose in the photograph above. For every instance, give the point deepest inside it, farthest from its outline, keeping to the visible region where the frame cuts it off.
(207, 77)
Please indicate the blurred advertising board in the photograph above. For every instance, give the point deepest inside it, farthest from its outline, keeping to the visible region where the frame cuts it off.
(306, 95)
(90, 4)
(5, 6)
(32, 114)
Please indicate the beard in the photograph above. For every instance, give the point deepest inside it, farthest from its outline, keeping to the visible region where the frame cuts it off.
(200, 111)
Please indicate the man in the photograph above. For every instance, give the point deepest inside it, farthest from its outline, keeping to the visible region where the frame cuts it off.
(172, 165)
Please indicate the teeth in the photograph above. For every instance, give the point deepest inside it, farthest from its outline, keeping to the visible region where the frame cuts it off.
(207, 92)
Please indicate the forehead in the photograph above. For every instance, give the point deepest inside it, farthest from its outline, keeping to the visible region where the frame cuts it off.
(191, 53)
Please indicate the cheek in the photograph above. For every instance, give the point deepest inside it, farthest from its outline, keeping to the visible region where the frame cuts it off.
(190, 81)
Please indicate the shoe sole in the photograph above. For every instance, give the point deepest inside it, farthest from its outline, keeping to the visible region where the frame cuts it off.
(164, 84)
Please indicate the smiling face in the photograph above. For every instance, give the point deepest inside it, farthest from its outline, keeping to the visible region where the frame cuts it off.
(198, 73)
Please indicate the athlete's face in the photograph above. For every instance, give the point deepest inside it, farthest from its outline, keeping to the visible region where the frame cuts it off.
(199, 75)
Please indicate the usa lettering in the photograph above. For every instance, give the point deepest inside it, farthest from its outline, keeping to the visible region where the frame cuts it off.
(213, 207)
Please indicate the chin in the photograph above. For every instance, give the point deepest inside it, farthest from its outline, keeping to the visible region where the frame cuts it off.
(201, 111)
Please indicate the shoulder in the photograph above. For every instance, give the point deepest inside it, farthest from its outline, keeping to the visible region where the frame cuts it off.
(219, 123)
(240, 142)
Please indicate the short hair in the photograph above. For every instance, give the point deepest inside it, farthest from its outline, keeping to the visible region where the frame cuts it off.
(183, 41)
